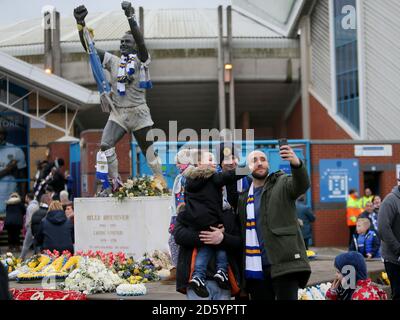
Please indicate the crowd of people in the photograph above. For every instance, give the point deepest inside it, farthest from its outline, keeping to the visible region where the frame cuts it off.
(45, 217)
(234, 231)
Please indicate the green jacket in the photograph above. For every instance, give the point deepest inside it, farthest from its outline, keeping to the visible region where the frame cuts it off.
(282, 235)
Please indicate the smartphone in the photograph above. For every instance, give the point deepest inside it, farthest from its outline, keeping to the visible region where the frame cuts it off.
(282, 142)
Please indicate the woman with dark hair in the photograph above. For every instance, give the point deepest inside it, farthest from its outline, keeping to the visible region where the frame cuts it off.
(56, 231)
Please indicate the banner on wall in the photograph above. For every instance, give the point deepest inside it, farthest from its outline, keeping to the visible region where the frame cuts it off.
(337, 177)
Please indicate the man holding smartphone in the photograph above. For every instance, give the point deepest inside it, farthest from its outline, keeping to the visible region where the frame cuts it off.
(274, 253)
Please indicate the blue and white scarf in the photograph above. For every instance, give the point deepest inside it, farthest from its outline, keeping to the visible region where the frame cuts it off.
(254, 268)
(127, 68)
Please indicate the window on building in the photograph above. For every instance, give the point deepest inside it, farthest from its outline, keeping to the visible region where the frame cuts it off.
(346, 62)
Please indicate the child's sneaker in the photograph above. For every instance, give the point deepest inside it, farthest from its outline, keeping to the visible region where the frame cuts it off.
(222, 280)
(199, 287)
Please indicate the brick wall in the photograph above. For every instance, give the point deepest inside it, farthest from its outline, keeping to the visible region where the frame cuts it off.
(322, 124)
(91, 145)
(294, 125)
(330, 228)
(40, 138)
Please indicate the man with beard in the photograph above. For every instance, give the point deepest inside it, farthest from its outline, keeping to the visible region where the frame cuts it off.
(274, 253)
(129, 80)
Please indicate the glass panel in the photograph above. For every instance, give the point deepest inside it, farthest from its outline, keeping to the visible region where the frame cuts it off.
(347, 62)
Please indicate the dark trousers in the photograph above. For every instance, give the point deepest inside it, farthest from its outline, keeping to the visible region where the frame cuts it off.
(352, 231)
(306, 242)
(280, 288)
(13, 233)
(393, 272)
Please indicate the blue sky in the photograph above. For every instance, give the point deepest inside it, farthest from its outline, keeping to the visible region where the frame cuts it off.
(12, 11)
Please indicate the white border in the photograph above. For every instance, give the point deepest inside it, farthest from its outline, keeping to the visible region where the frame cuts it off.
(361, 70)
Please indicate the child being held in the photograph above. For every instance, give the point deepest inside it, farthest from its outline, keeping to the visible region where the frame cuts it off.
(352, 282)
(203, 212)
(365, 241)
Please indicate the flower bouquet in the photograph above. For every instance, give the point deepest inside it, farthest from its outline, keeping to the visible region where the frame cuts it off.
(91, 277)
(161, 260)
(10, 262)
(131, 290)
(47, 265)
(137, 272)
(146, 186)
(317, 292)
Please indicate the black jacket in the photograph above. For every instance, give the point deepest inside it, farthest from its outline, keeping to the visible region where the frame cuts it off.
(188, 239)
(14, 215)
(389, 226)
(4, 290)
(203, 196)
(37, 218)
(56, 232)
(58, 182)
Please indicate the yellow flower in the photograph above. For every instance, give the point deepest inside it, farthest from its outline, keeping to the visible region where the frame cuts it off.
(136, 271)
(147, 271)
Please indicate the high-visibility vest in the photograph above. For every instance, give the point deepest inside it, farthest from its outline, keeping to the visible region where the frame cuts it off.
(353, 210)
(366, 199)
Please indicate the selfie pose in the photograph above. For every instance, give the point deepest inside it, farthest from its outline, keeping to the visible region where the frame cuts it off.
(274, 253)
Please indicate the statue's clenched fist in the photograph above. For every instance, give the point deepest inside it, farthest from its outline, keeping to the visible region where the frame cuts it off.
(80, 13)
(128, 9)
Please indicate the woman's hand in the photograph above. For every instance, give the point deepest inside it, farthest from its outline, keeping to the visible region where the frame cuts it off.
(214, 237)
(335, 284)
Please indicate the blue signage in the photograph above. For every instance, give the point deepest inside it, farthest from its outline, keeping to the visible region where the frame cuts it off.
(337, 177)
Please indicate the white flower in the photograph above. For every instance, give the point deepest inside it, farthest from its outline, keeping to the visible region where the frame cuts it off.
(131, 289)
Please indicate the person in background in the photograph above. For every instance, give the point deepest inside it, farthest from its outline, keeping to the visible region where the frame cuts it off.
(389, 232)
(37, 218)
(367, 197)
(64, 197)
(371, 215)
(15, 211)
(366, 240)
(353, 210)
(57, 181)
(32, 207)
(69, 211)
(182, 161)
(363, 288)
(306, 218)
(377, 204)
(56, 231)
(69, 185)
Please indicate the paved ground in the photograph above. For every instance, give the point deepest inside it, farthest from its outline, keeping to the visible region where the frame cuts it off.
(322, 271)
